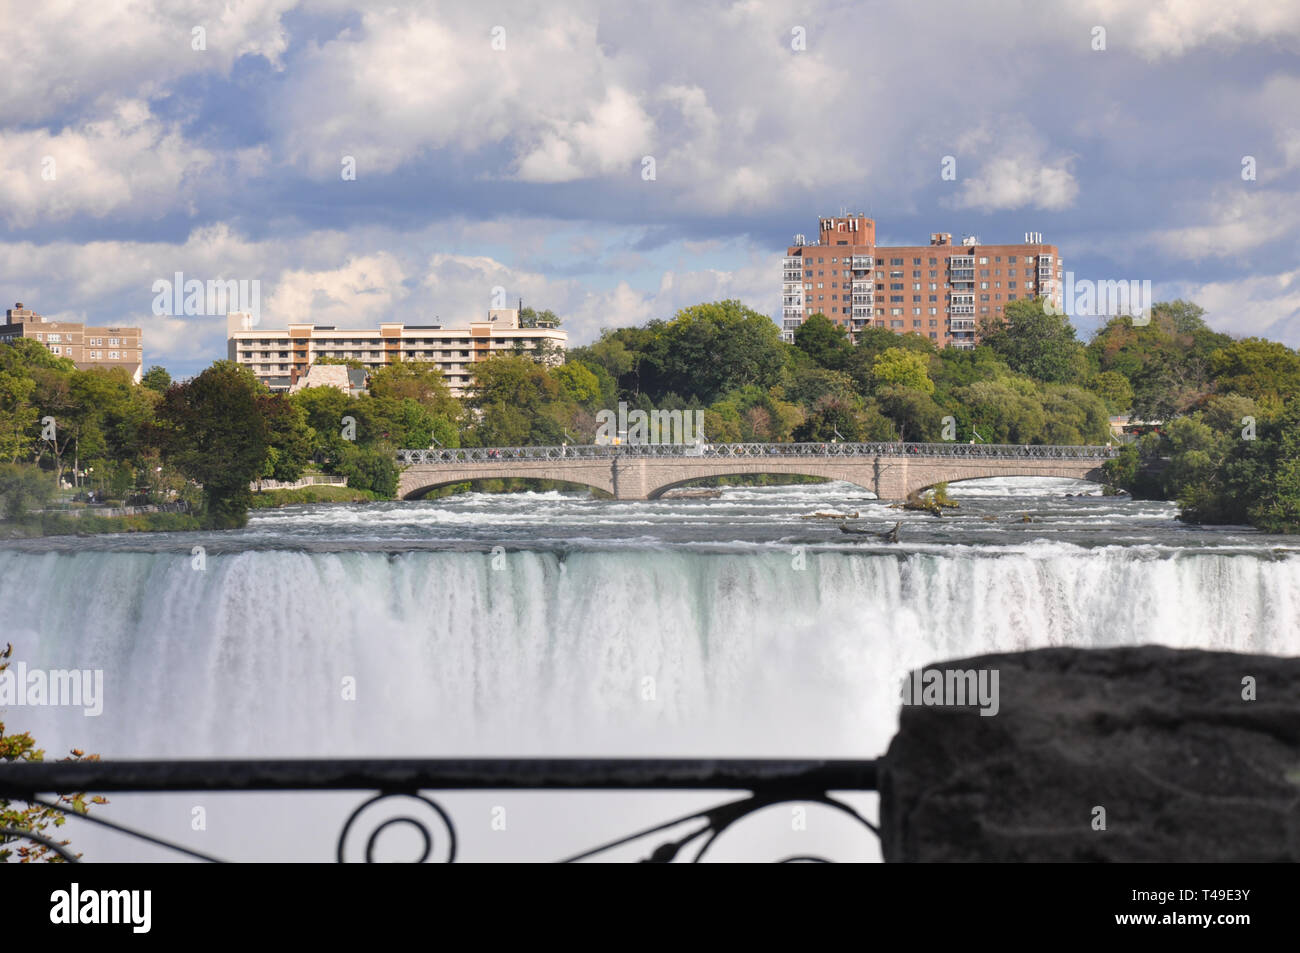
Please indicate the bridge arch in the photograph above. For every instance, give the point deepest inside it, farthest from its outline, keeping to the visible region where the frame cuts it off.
(1094, 475)
(420, 491)
(807, 471)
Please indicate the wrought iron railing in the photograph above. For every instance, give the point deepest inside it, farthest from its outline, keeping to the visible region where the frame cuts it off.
(893, 449)
(406, 783)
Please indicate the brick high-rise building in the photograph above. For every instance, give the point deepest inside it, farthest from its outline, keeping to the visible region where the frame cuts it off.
(939, 290)
(88, 346)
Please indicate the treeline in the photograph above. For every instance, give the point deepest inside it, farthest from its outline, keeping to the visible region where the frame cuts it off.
(1226, 449)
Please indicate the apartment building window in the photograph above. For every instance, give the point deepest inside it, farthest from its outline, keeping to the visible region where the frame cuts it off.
(916, 324)
(895, 324)
(916, 299)
(934, 336)
(933, 324)
(984, 285)
(895, 299)
(984, 261)
(113, 342)
(916, 286)
(1011, 272)
(54, 339)
(934, 261)
(821, 284)
(895, 312)
(1011, 297)
(984, 297)
(56, 349)
(934, 274)
(113, 355)
(880, 286)
(896, 286)
(915, 311)
(984, 273)
(916, 261)
(895, 261)
(933, 311)
(916, 273)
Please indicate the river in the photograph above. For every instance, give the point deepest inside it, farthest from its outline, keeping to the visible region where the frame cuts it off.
(558, 624)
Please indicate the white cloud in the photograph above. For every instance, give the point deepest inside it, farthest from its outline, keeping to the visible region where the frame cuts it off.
(1159, 28)
(1261, 305)
(66, 53)
(1243, 218)
(127, 162)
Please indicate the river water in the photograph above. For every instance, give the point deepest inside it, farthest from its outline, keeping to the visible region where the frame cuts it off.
(557, 624)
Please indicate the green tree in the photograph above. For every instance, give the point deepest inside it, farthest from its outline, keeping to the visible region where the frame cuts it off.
(824, 341)
(214, 430)
(35, 818)
(1263, 370)
(1036, 343)
(709, 349)
(898, 366)
(157, 379)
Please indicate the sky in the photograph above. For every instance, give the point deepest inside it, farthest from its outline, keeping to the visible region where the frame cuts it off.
(410, 161)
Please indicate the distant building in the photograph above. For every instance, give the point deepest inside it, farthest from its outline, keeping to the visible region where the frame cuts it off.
(937, 290)
(351, 380)
(86, 345)
(280, 357)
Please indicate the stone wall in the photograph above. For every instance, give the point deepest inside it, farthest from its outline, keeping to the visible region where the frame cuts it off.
(1126, 754)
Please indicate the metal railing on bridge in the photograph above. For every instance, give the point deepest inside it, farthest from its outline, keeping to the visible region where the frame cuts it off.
(894, 449)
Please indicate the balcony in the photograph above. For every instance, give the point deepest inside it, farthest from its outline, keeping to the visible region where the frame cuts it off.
(961, 261)
(862, 262)
(962, 324)
(963, 309)
(792, 313)
(792, 263)
(964, 345)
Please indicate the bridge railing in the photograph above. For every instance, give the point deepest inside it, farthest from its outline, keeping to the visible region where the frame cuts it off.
(767, 450)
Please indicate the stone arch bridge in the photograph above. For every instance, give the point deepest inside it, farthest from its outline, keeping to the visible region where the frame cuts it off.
(892, 471)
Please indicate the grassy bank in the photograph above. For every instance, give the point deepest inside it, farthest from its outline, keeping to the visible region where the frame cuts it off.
(269, 499)
(55, 524)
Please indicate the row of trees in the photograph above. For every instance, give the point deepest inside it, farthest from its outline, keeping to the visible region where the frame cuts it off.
(1030, 381)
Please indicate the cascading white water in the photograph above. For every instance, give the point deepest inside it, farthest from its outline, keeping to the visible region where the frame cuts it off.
(665, 652)
(550, 625)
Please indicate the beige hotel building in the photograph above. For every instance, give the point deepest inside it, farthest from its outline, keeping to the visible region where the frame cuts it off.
(280, 357)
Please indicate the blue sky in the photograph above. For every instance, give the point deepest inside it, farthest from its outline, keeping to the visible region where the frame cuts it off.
(518, 163)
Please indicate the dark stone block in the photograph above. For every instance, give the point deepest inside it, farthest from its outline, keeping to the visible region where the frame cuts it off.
(1162, 739)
